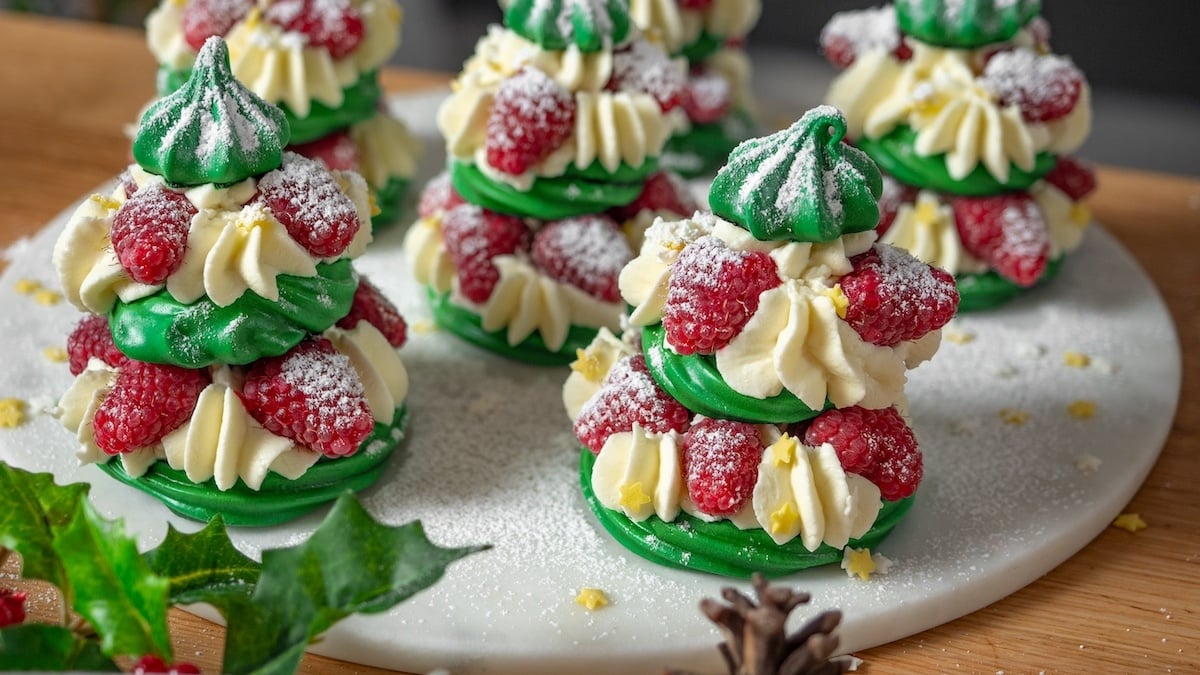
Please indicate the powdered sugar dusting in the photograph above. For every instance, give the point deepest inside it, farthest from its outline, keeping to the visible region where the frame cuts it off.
(864, 29)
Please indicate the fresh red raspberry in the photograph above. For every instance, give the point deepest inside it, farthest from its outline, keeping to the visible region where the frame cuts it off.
(663, 191)
(587, 252)
(644, 68)
(12, 607)
(629, 396)
(851, 33)
(312, 395)
(153, 664)
(720, 464)
(373, 307)
(473, 237)
(895, 194)
(1045, 88)
(837, 49)
(439, 195)
(203, 19)
(1073, 177)
(149, 401)
(532, 116)
(875, 444)
(150, 231)
(337, 151)
(125, 180)
(335, 25)
(695, 4)
(896, 298)
(708, 97)
(1006, 231)
(92, 338)
(305, 199)
(712, 293)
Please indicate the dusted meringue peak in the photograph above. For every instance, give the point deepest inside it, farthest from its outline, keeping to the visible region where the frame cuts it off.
(964, 23)
(801, 184)
(212, 129)
(589, 25)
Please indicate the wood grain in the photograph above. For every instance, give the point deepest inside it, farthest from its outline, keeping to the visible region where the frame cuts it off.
(1126, 603)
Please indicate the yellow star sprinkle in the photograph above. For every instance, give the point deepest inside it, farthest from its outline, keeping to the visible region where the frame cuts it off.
(1083, 410)
(592, 598)
(1129, 521)
(423, 327)
(588, 365)
(784, 519)
(633, 497)
(28, 286)
(106, 202)
(858, 562)
(840, 302)
(1077, 359)
(56, 354)
(1014, 416)
(783, 451)
(47, 297)
(12, 413)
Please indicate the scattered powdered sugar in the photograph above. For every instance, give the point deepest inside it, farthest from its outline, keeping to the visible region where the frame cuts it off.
(327, 380)
(864, 30)
(911, 280)
(645, 68)
(590, 13)
(1025, 231)
(1023, 76)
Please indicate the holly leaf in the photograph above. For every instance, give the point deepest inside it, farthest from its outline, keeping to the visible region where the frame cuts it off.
(203, 566)
(115, 590)
(350, 564)
(50, 648)
(32, 509)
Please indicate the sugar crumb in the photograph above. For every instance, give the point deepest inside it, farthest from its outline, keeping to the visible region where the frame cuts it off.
(1076, 359)
(1087, 463)
(1014, 416)
(12, 413)
(1082, 409)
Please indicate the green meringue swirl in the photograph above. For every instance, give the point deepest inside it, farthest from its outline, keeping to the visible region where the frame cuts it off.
(964, 24)
(575, 193)
(554, 25)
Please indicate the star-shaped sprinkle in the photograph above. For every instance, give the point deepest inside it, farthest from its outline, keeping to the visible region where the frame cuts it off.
(591, 598)
(784, 519)
(12, 413)
(588, 365)
(28, 286)
(840, 302)
(1014, 416)
(56, 354)
(106, 202)
(1082, 409)
(783, 451)
(47, 297)
(858, 562)
(1077, 359)
(633, 496)
(1131, 522)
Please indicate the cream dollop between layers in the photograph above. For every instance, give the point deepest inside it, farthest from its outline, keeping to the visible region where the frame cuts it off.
(222, 441)
(278, 65)
(232, 246)
(938, 95)
(673, 28)
(610, 127)
(525, 300)
(386, 149)
(796, 340)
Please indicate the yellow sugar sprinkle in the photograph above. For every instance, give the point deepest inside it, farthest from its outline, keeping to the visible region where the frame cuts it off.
(56, 354)
(1081, 215)
(1082, 409)
(1014, 416)
(28, 286)
(423, 327)
(784, 519)
(106, 202)
(959, 337)
(783, 451)
(633, 496)
(840, 302)
(591, 598)
(1131, 522)
(12, 413)
(588, 365)
(1077, 359)
(858, 562)
(47, 297)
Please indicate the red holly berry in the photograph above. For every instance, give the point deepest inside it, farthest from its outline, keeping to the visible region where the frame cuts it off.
(12, 607)
(708, 97)
(154, 664)
(473, 237)
(629, 396)
(712, 293)
(337, 151)
(531, 116)
(1044, 87)
(663, 191)
(895, 298)
(373, 307)
(587, 252)
(203, 19)
(1073, 177)
(148, 401)
(895, 194)
(1006, 231)
(92, 338)
(312, 395)
(875, 444)
(720, 464)
(644, 68)
(149, 233)
(438, 195)
(305, 199)
(335, 25)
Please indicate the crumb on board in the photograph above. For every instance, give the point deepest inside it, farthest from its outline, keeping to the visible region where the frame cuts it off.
(1087, 463)
(424, 327)
(1014, 416)
(1130, 522)
(12, 413)
(1082, 409)
(1077, 359)
(56, 354)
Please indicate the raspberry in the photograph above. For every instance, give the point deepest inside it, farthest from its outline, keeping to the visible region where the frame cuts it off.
(473, 237)
(837, 49)
(712, 293)
(629, 396)
(663, 191)
(1006, 231)
(203, 19)
(644, 68)
(149, 401)
(895, 298)
(1074, 178)
(875, 444)
(149, 233)
(12, 607)
(708, 97)
(438, 195)
(1045, 88)
(305, 199)
(154, 664)
(695, 4)
(587, 252)
(337, 151)
(532, 116)
(334, 25)
(895, 194)
(312, 395)
(851, 33)
(720, 464)
(92, 338)
(373, 307)
(125, 180)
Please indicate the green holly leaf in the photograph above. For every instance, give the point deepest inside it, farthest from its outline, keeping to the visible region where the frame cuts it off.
(115, 590)
(350, 564)
(50, 648)
(32, 510)
(204, 566)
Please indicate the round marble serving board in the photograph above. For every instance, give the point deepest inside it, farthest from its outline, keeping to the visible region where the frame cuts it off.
(490, 458)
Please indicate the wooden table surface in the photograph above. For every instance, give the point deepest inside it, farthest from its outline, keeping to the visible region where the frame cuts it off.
(1126, 603)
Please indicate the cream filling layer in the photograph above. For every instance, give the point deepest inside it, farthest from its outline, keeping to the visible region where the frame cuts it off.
(386, 149)
(590, 368)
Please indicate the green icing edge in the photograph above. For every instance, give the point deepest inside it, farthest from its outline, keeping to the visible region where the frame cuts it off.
(895, 155)
(931, 24)
(160, 329)
(694, 381)
(390, 200)
(706, 147)
(978, 292)
(279, 499)
(358, 105)
(576, 193)
(532, 350)
(705, 46)
(721, 548)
